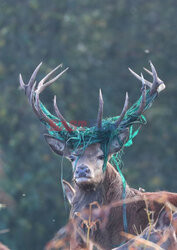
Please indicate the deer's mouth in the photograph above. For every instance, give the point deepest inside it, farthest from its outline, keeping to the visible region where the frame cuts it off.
(83, 180)
(82, 174)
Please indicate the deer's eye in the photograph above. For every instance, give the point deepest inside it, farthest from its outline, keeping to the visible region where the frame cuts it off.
(72, 158)
(100, 157)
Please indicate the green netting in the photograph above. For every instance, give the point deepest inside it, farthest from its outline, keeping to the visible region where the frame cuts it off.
(83, 138)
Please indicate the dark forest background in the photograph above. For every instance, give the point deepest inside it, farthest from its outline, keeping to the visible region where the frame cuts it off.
(98, 40)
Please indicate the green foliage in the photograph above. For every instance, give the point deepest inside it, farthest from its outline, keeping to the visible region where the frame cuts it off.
(98, 40)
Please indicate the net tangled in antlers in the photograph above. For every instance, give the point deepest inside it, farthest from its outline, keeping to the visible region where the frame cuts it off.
(83, 137)
(106, 130)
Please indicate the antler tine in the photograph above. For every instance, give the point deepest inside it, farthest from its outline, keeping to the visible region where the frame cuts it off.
(41, 114)
(100, 110)
(33, 76)
(59, 115)
(30, 87)
(149, 84)
(57, 110)
(143, 100)
(34, 108)
(150, 73)
(22, 84)
(125, 108)
(154, 73)
(31, 93)
(158, 84)
(42, 84)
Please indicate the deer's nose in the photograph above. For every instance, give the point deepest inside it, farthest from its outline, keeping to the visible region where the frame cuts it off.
(82, 171)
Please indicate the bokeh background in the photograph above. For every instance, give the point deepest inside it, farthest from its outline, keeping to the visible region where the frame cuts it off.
(98, 40)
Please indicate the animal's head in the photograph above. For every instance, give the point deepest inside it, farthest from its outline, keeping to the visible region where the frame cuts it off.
(89, 149)
(87, 164)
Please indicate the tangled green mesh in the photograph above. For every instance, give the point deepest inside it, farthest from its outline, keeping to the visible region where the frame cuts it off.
(83, 138)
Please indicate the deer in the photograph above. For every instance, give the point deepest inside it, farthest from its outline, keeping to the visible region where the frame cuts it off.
(95, 180)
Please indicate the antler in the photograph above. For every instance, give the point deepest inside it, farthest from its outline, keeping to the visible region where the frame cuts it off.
(125, 108)
(143, 99)
(100, 111)
(126, 118)
(155, 87)
(33, 91)
(141, 107)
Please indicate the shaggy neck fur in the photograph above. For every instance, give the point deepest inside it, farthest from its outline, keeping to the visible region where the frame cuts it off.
(108, 191)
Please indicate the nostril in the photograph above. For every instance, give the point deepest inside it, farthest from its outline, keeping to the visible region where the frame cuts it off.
(82, 171)
(87, 170)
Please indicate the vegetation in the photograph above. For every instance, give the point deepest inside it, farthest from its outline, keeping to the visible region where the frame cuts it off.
(98, 40)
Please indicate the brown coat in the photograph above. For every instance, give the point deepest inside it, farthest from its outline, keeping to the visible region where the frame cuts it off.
(110, 192)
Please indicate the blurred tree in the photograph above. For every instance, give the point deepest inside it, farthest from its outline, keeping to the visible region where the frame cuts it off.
(98, 40)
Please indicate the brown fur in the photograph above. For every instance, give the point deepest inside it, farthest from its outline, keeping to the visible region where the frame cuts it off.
(110, 191)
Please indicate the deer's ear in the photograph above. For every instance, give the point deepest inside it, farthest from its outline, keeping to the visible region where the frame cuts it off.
(69, 191)
(57, 146)
(117, 144)
(164, 219)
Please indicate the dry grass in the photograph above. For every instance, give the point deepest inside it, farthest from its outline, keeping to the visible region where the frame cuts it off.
(91, 217)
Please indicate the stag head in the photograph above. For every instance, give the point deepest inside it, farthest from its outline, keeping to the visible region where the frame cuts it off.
(89, 149)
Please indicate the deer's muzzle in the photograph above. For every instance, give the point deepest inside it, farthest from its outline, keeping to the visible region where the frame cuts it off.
(82, 174)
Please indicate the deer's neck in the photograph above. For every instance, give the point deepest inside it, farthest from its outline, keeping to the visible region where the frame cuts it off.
(111, 189)
(115, 186)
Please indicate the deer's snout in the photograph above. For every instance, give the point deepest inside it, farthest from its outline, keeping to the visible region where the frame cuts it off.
(82, 171)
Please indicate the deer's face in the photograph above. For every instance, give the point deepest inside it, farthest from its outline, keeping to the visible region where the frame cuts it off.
(87, 164)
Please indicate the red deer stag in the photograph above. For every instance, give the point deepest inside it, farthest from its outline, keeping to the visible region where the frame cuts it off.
(89, 150)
